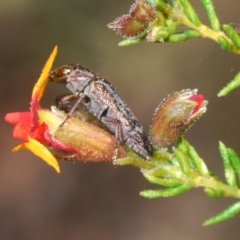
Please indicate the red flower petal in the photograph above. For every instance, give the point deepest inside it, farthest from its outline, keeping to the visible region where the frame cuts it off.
(16, 117)
(21, 130)
(35, 106)
(22, 120)
(39, 134)
(199, 99)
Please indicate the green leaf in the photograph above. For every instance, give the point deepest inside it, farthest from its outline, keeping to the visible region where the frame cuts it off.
(183, 36)
(229, 172)
(183, 146)
(198, 162)
(235, 161)
(230, 86)
(169, 192)
(209, 8)
(224, 215)
(232, 34)
(161, 156)
(224, 44)
(213, 193)
(190, 12)
(166, 182)
(128, 42)
(183, 161)
(175, 162)
(165, 170)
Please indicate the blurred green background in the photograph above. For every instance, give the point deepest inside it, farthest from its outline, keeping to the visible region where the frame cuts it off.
(101, 201)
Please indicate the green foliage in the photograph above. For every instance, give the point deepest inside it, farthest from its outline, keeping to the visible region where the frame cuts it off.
(235, 83)
(169, 15)
(190, 12)
(224, 215)
(230, 175)
(232, 34)
(212, 17)
(183, 168)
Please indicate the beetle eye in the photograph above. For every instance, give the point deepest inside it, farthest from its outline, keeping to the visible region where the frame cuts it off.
(66, 71)
(60, 74)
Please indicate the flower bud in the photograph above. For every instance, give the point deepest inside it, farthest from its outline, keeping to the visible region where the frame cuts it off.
(127, 26)
(143, 11)
(141, 14)
(174, 116)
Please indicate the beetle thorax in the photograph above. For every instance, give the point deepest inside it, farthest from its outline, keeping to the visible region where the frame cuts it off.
(77, 80)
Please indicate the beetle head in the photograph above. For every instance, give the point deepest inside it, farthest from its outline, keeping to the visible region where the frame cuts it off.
(73, 76)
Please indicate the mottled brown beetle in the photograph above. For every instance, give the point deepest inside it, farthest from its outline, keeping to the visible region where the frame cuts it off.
(101, 100)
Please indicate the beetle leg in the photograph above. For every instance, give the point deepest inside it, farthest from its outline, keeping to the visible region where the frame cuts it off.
(64, 156)
(67, 99)
(62, 100)
(76, 104)
(118, 133)
(119, 137)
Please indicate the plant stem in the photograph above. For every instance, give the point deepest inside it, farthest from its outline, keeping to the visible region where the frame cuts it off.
(207, 32)
(195, 180)
(213, 183)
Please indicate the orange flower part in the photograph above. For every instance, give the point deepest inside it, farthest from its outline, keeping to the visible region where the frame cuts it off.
(27, 127)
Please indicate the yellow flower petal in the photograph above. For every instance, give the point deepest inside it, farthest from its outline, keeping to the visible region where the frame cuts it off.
(42, 82)
(39, 150)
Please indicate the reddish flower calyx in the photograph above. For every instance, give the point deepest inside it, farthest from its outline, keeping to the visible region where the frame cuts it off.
(79, 140)
(135, 23)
